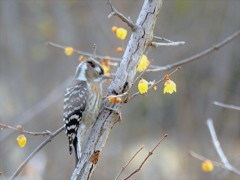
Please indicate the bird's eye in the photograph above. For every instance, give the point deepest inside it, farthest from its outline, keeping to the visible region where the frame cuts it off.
(91, 64)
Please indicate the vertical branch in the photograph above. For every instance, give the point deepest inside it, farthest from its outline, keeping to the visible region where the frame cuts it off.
(124, 78)
(218, 148)
(216, 143)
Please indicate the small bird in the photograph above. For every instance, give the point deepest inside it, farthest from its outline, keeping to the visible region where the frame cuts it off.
(82, 102)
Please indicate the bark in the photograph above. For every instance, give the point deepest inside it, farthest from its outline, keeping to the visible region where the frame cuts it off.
(139, 40)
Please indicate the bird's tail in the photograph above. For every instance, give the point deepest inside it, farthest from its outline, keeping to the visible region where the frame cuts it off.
(76, 151)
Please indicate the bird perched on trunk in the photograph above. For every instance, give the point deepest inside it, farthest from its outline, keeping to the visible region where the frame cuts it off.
(82, 103)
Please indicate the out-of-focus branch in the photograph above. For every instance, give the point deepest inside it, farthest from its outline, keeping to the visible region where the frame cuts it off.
(20, 168)
(228, 106)
(201, 158)
(146, 158)
(124, 167)
(153, 68)
(115, 12)
(200, 55)
(29, 114)
(218, 148)
(21, 130)
(169, 66)
(96, 56)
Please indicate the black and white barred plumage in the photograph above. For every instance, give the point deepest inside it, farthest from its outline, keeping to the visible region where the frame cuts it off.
(74, 104)
(82, 103)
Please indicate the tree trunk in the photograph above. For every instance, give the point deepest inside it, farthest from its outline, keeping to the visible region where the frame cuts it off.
(124, 78)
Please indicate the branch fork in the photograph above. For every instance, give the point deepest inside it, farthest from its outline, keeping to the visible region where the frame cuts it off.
(166, 43)
(115, 12)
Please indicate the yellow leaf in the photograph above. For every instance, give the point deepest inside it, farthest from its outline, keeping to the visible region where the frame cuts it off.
(169, 87)
(143, 86)
(121, 33)
(207, 166)
(22, 140)
(143, 63)
(69, 51)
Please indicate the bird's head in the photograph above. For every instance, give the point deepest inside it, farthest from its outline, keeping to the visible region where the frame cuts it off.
(90, 70)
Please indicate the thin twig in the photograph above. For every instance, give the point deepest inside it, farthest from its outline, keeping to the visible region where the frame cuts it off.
(157, 44)
(218, 148)
(149, 154)
(30, 113)
(154, 84)
(84, 53)
(124, 167)
(202, 158)
(169, 66)
(20, 168)
(96, 56)
(228, 106)
(199, 55)
(43, 133)
(115, 12)
(162, 39)
(141, 74)
(129, 90)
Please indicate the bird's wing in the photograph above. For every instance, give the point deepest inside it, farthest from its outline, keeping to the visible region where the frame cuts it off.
(75, 100)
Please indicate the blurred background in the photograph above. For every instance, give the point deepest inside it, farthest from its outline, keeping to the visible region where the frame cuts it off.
(33, 77)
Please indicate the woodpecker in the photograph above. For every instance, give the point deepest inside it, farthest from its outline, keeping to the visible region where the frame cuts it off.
(82, 102)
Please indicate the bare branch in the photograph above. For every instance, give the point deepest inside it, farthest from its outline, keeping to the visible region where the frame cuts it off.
(154, 84)
(115, 12)
(157, 44)
(30, 113)
(123, 80)
(201, 158)
(124, 167)
(218, 148)
(44, 133)
(96, 56)
(149, 154)
(126, 94)
(162, 39)
(20, 168)
(228, 106)
(200, 55)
